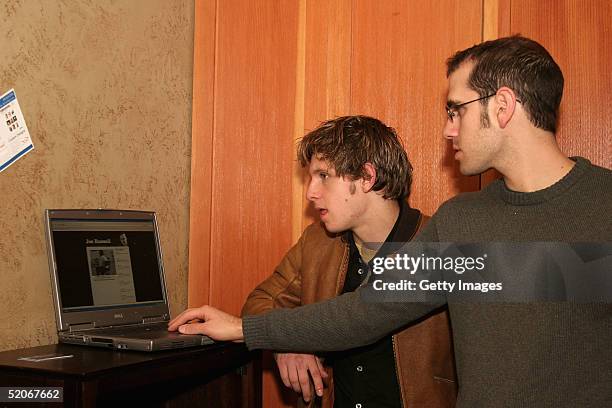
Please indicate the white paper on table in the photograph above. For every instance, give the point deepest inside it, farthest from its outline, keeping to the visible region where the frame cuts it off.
(15, 139)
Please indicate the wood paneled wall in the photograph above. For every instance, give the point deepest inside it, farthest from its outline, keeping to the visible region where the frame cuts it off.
(577, 34)
(267, 72)
(244, 76)
(398, 75)
(243, 120)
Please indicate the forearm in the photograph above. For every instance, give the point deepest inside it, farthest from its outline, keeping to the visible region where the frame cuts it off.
(272, 294)
(281, 289)
(340, 323)
(257, 302)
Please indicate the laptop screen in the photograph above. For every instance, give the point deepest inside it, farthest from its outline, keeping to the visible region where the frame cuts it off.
(106, 263)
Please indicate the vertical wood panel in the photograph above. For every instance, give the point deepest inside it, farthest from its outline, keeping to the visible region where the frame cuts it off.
(577, 34)
(252, 183)
(244, 101)
(503, 18)
(490, 20)
(201, 152)
(327, 72)
(496, 19)
(328, 60)
(275, 394)
(495, 24)
(399, 75)
(255, 99)
(297, 198)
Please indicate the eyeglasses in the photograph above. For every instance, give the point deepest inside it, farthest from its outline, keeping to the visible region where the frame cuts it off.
(452, 110)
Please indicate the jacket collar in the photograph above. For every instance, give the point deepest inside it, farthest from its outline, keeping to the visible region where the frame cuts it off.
(404, 229)
(407, 224)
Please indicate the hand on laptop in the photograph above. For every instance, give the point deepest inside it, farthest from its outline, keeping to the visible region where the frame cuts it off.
(209, 321)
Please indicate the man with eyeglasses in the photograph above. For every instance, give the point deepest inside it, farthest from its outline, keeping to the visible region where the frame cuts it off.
(502, 108)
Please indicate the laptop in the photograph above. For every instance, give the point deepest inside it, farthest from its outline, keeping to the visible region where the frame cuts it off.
(108, 282)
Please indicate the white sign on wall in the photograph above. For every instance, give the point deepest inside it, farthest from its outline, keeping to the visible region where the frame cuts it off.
(15, 139)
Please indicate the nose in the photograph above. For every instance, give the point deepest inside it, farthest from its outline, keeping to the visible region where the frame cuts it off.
(451, 129)
(312, 192)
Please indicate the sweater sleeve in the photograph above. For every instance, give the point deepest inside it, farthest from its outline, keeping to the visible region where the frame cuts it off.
(340, 323)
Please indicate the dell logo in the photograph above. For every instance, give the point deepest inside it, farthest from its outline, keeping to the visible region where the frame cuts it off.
(118, 316)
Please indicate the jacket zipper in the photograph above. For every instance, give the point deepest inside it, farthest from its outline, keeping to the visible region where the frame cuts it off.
(343, 270)
(395, 360)
(395, 364)
(341, 279)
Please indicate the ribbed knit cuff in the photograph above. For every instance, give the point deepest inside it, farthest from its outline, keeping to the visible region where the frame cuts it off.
(255, 331)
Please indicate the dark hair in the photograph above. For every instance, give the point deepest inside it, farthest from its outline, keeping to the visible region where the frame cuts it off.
(347, 143)
(522, 65)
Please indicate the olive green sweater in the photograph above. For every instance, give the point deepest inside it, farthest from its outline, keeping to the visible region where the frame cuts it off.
(507, 355)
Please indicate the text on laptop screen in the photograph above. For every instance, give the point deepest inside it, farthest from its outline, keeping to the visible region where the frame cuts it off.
(104, 263)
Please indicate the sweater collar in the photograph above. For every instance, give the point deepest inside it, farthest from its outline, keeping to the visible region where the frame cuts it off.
(537, 197)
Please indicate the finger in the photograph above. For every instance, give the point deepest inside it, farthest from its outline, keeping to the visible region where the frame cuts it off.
(321, 367)
(178, 318)
(187, 311)
(316, 372)
(304, 380)
(283, 371)
(193, 328)
(294, 380)
(183, 318)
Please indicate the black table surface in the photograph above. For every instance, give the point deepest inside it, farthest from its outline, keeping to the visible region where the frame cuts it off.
(94, 361)
(220, 375)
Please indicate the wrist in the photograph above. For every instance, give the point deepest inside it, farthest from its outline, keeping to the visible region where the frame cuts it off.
(238, 333)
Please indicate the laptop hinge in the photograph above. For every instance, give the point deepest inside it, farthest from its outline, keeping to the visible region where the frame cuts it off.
(155, 319)
(81, 326)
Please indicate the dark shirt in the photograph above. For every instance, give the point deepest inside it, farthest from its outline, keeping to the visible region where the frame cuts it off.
(366, 376)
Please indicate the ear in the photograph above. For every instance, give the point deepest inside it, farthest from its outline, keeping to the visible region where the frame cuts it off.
(505, 106)
(368, 182)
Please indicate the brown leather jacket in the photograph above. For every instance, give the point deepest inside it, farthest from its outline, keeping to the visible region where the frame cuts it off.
(314, 269)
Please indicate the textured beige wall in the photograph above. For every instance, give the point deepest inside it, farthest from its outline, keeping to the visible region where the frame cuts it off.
(105, 87)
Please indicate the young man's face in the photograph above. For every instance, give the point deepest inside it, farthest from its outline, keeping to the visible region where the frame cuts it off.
(475, 146)
(339, 201)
